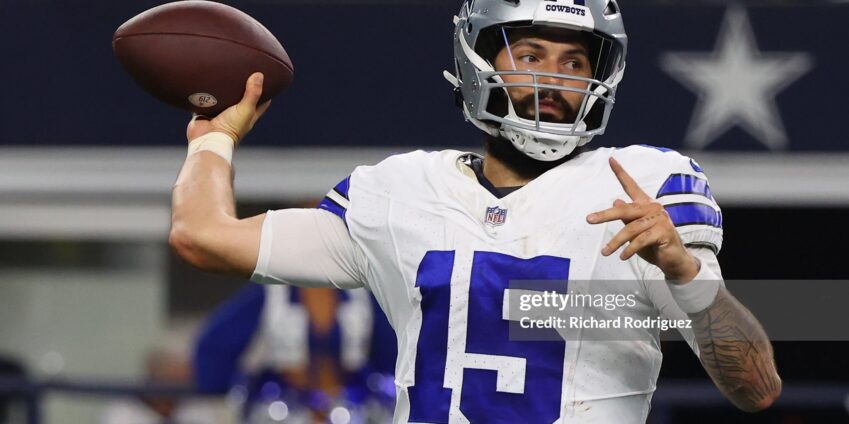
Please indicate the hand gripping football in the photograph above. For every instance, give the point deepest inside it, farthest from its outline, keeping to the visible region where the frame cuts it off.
(197, 55)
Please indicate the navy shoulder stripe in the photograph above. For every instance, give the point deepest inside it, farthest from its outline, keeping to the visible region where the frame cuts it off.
(696, 167)
(343, 186)
(694, 214)
(329, 204)
(684, 184)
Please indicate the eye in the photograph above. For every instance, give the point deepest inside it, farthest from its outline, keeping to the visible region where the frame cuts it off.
(528, 58)
(577, 66)
(573, 65)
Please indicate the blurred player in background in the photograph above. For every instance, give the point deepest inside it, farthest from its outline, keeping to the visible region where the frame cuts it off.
(438, 237)
(319, 351)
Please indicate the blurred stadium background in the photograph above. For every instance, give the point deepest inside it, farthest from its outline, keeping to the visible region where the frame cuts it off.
(89, 288)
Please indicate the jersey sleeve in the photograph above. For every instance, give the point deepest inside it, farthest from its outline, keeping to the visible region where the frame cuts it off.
(695, 214)
(681, 185)
(309, 248)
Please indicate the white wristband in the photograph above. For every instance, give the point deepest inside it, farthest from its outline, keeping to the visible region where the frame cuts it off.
(219, 143)
(698, 294)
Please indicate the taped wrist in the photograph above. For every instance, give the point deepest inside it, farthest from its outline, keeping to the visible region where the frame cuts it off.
(215, 142)
(699, 294)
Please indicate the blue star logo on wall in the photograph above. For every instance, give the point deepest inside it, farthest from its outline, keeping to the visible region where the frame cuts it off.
(736, 84)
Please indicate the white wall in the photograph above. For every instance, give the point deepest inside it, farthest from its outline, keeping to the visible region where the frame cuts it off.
(91, 323)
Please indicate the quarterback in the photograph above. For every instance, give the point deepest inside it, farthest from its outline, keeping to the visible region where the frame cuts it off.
(438, 237)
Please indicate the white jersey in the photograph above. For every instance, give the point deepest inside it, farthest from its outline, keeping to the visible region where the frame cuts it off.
(439, 251)
(286, 328)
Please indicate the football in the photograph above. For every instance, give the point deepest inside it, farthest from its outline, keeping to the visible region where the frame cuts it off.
(197, 55)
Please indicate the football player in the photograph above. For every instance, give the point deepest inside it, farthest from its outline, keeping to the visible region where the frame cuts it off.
(319, 349)
(442, 238)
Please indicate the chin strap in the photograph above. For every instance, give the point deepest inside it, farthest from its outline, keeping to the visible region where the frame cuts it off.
(535, 143)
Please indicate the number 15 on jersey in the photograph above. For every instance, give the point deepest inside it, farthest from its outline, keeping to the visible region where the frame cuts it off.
(465, 360)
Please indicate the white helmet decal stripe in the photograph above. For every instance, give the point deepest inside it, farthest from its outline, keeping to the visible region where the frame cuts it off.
(473, 56)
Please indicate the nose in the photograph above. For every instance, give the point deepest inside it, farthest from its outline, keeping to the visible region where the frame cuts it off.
(550, 67)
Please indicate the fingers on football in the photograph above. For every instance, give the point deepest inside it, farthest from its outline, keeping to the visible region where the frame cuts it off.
(629, 233)
(253, 90)
(631, 187)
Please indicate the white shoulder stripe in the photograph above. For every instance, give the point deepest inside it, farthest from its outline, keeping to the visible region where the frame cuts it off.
(687, 198)
(336, 197)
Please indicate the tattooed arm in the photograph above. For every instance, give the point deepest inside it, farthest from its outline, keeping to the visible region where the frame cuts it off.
(730, 342)
(736, 353)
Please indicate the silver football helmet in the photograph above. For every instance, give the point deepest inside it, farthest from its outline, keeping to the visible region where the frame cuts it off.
(484, 27)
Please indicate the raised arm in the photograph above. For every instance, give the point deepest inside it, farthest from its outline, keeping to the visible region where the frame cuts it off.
(303, 247)
(734, 349)
(204, 228)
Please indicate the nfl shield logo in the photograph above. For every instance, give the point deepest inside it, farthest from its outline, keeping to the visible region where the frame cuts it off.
(495, 216)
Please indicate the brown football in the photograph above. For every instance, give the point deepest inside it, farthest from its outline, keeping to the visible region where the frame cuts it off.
(197, 55)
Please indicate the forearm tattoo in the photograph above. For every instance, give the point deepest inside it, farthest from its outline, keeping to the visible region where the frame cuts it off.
(736, 352)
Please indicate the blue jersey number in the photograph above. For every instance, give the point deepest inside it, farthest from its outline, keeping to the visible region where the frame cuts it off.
(487, 339)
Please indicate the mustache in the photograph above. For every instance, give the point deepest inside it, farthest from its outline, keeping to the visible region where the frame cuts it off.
(527, 106)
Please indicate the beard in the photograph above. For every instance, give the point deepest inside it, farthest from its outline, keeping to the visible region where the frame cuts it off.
(504, 151)
(523, 165)
(526, 107)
